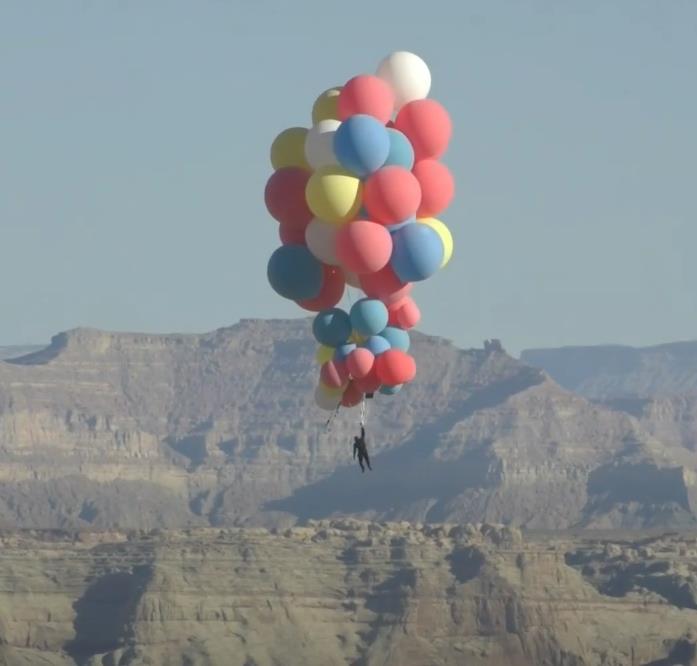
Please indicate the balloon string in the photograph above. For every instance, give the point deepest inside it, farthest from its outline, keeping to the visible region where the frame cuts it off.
(330, 420)
(364, 411)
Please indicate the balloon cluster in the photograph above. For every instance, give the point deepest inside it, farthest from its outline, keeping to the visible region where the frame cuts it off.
(356, 197)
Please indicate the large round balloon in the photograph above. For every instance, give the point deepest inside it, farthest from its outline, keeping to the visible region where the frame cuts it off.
(427, 126)
(331, 292)
(334, 373)
(332, 327)
(342, 351)
(392, 195)
(401, 153)
(326, 106)
(445, 236)
(361, 144)
(385, 285)
(352, 396)
(291, 235)
(377, 345)
(369, 316)
(333, 194)
(360, 362)
(320, 238)
(418, 252)
(294, 273)
(285, 197)
(363, 246)
(368, 95)
(319, 144)
(437, 187)
(408, 76)
(325, 400)
(395, 367)
(288, 149)
(397, 337)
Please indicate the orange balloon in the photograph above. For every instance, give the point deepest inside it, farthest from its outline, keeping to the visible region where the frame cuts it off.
(395, 367)
(437, 187)
(427, 126)
(363, 246)
(366, 94)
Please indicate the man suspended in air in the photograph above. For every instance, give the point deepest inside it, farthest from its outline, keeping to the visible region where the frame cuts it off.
(360, 448)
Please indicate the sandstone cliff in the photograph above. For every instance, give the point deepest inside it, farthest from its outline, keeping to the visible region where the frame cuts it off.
(346, 592)
(109, 430)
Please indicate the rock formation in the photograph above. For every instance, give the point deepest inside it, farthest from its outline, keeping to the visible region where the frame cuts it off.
(346, 592)
(114, 430)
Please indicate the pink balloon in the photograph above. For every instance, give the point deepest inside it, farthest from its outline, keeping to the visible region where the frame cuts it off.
(370, 383)
(331, 292)
(409, 314)
(352, 396)
(285, 197)
(427, 125)
(363, 246)
(366, 94)
(385, 285)
(437, 187)
(395, 367)
(360, 362)
(333, 374)
(391, 195)
(404, 314)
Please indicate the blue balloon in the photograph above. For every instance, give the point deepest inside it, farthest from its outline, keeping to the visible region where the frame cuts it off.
(396, 227)
(397, 337)
(331, 327)
(369, 316)
(295, 273)
(342, 351)
(377, 344)
(391, 390)
(417, 252)
(361, 144)
(401, 151)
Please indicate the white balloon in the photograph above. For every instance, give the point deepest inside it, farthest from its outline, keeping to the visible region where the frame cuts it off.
(320, 237)
(319, 144)
(408, 75)
(325, 400)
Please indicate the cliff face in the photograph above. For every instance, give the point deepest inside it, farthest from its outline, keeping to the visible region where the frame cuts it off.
(346, 592)
(108, 430)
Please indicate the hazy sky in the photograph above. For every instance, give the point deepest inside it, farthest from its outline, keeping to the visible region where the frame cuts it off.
(134, 139)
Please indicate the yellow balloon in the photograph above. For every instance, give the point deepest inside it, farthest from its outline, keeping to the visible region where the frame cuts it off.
(324, 354)
(445, 236)
(328, 390)
(333, 194)
(357, 338)
(326, 106)
(288, 149)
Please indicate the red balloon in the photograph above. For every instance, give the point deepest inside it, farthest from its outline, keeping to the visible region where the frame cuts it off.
(360, 362)
(395, 367)
(385, 285)
(291, 235)
(366, 94)
(409, 314)
(332, 291)
(391, 195)
(370, 383)
(404, 314)
(427, 125)
(333, 374)
(437, 187)
(352, 396)
(285, 197)
(363, 246)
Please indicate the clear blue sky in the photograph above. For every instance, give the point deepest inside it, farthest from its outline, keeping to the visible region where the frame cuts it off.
(134, 142)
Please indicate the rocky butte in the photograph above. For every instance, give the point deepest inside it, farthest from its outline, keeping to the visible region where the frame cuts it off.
(177, 499)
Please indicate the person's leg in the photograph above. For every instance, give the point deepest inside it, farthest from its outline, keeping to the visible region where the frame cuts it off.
(360, 462)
